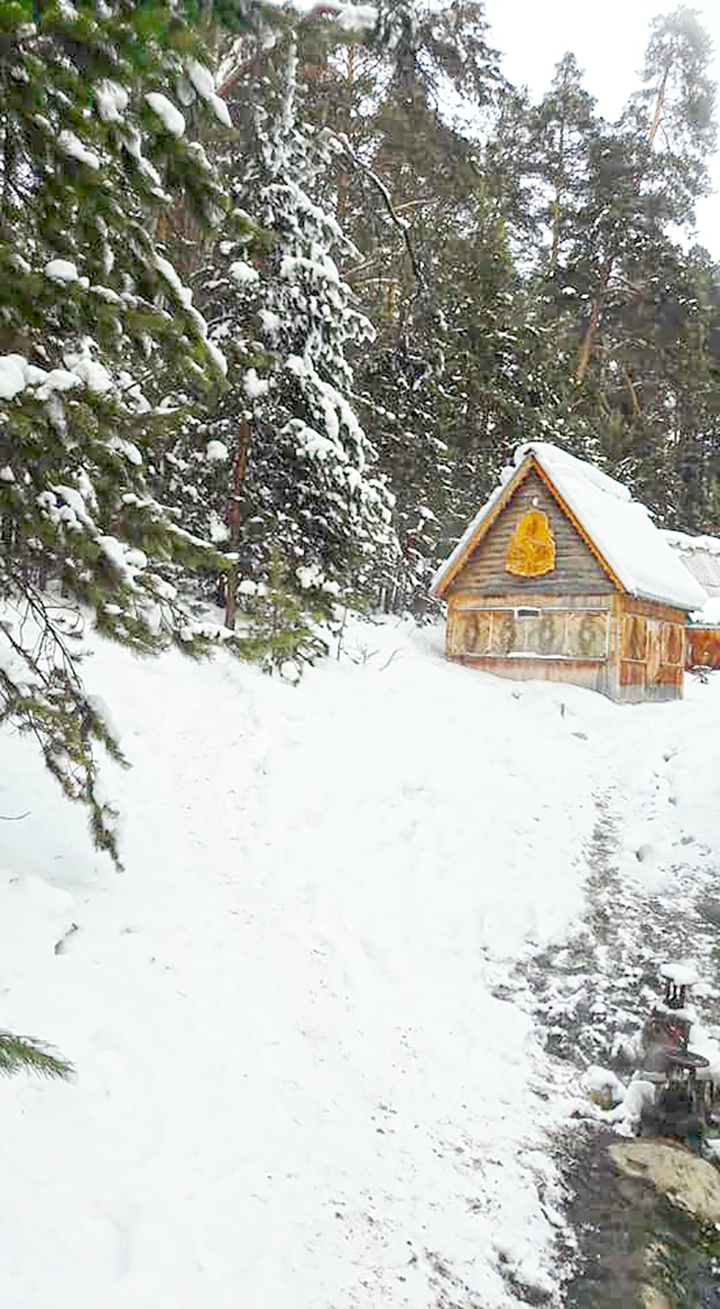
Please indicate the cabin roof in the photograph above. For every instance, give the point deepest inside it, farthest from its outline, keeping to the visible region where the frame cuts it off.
(619, 530)
(701, 556)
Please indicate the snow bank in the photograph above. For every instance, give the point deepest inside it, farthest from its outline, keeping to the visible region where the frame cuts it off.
(295, 1084)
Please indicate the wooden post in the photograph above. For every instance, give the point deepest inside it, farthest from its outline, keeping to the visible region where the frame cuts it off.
(233, 515)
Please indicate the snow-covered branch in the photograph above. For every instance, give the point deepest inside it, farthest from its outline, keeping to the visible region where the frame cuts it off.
(359, 20)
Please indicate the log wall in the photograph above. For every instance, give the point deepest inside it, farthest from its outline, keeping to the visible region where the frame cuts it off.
(628, 649)
(703, 647)
(649, 645)
(576, 568)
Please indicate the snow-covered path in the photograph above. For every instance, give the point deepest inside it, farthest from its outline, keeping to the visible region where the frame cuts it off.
(295, 1086)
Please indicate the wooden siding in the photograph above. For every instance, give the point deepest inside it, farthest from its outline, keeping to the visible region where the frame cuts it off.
(518, 599)
(545, 632)
(649, 650)
(593, 675)
(628, 649)
(651, 609)
(703, 647)
(576, 568)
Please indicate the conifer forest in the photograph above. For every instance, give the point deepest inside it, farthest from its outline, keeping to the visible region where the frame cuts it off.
(280, 293)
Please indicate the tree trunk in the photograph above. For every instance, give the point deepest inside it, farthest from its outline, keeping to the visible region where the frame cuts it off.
(344, 179)
(238, 477)
(557, 207)
(594, 321)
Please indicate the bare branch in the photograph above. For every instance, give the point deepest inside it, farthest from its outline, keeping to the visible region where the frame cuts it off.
(400, 223)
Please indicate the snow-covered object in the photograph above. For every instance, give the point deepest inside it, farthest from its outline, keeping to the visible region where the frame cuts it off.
(701, 556)
(71, 145)
(55, 382)
(16, 374)
(128, 449)
(639, 1096)
(216, 451)
(243, 272)
(61, 270)
(620, 528)
(354, 18)
(132, 141)
(168, 113)
(709, 615)
(220, 110)
(88, 368)
(255, 386)
(12, 376)
(203, 83)
(111, 100)
(680, 974)
(603, 1081)
(315, 493)
(201, 78)
(271, 322)
(184, 295)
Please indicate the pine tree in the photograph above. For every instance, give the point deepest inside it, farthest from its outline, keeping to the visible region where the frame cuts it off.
(649, 172)
(96, 331)
(405, 186)
(562, 130)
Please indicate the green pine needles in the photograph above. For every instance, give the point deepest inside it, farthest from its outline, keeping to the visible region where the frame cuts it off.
(25, 1054)
(97, 334)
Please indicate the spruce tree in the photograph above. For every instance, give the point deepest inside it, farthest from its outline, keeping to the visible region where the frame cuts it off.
(96, 331)
(296, 467)
(406, 186)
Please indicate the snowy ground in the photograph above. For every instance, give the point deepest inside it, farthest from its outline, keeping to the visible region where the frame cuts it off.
(295, 1084)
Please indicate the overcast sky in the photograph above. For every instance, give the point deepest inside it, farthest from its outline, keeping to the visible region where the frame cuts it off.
(609, 43)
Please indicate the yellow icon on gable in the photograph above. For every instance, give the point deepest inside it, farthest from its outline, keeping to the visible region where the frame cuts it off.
(531, 548)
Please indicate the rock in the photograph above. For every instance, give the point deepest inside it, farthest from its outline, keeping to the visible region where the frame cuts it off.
(602, 1086)
(601, 1096)
(688, 1182)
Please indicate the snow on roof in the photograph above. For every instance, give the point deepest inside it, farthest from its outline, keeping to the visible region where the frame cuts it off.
(619, 527)
(701, 555)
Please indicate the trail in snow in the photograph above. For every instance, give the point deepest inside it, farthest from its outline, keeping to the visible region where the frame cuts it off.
(295, 1083)
(592, 992)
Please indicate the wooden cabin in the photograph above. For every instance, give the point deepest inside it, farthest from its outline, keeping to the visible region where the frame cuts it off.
(701, 556)
(563, 576)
